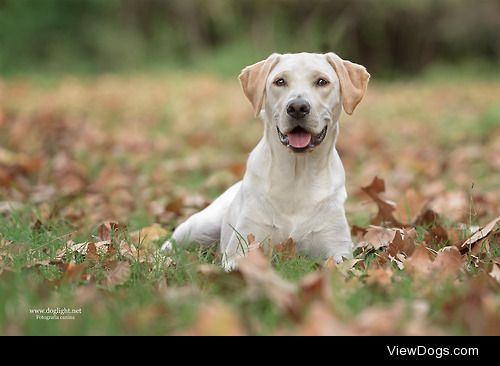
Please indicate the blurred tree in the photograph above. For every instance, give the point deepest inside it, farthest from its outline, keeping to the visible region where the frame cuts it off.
(387, 35)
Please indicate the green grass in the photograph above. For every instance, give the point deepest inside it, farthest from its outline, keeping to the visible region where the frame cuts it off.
(139, 307)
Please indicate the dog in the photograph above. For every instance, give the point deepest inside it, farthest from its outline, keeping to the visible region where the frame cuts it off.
(294, 184)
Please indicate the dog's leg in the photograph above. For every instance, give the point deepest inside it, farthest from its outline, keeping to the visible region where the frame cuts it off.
(204, 227)
(234, 240)
(333, 240)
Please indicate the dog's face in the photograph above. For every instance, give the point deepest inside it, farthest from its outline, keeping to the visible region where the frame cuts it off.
(302, 95)
(302, 100)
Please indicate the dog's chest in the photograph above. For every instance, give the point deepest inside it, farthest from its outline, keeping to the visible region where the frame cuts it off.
(298, 219)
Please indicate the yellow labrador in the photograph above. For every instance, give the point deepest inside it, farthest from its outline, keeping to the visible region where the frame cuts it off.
(294, 185)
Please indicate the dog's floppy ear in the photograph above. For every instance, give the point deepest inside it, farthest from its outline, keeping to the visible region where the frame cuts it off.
(353, 81)
(253, 80)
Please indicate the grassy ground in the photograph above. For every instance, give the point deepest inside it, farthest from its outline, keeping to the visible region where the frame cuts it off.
(135, 151)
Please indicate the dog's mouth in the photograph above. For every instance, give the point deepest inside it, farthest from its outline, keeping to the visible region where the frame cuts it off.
(300, 140)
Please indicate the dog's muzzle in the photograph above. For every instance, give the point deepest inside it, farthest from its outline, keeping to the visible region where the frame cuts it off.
(301, 140)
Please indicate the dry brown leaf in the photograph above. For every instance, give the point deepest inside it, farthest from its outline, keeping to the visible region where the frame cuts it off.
(176, 206)
(385, 207)
(118, 274)
(402, 243)
(238, 169)
(315, 286)
(427, 217)
(261, 277)
(286, 250)
(73, 272)
(216, 319)
(495, 272)
(409, 207)
(357, 232)
(396, 319)
(380, 321)
(91, 253)
(147, 236)
(70, 176)
(448, 262)
(481, 233)
(329, 263)
(379, 276)
(83, 248)
(251, 239)
(436, 236)
(346, 267)
(9, 206)
(130, 251)
(210, 271)
(108, 230)
(321, 322)
(376, 237)
(21, 162)
(453, 204)
(420, 262)
(38, 262)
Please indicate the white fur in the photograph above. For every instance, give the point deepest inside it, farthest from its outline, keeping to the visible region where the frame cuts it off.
(284, 194)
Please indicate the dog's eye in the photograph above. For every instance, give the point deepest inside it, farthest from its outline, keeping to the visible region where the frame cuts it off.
(280, 82)
(322, 82)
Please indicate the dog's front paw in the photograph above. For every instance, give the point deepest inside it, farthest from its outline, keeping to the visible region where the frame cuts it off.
(338, 259)
(228, 265)
(168, 246)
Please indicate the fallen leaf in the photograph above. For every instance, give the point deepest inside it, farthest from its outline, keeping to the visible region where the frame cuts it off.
(396, 319)
(481, 233)
(376, 237)
(321, 322)
(358, 232)
(409, 207)
(286, 250)
(453, 204)
(238, 169)
(329, 263)
(91, 253)
(38, 262)
(379, 276)
(147, 236)
(259, 275)
(385, 207)
(118, 274)
(315, 286)
(346, 267)
(176, 206)
(210, 271)
(73, 272)
(448, 262)
(10, 206)
(420, 261)
(402, 243)
(427, 217)
(380, 320)
(108, 230)
(251, 239)
(216, 319)
(436, 236)
(495, 272)
(24, 163)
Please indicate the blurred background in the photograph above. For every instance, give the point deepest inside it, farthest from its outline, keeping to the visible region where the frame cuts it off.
(390, 37)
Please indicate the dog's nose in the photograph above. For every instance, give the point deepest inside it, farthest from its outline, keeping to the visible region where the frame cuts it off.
(298, 108)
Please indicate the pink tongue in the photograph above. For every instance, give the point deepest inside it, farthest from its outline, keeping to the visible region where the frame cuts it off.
(299, 139)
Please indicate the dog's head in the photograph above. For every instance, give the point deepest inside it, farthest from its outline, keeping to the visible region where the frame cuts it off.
(302, 94)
